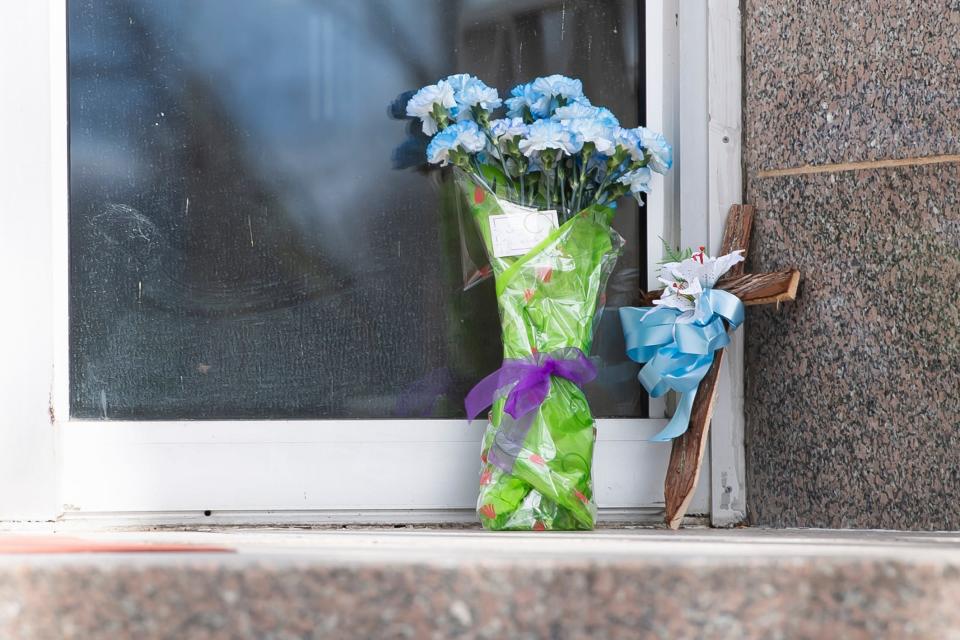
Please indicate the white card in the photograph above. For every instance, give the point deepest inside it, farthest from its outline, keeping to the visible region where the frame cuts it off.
(520, 229)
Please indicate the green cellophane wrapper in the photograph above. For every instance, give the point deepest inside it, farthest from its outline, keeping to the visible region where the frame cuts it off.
(548, 299)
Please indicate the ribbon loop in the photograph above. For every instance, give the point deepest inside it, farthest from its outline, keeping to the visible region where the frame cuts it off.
(678, 352)
(528, 381)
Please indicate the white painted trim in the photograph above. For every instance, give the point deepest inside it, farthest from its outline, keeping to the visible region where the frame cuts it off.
(146, 468)
(324, 518)
(692, 158)
(27, 439)
(661, 53)
(728, 464)
(60, 207)
(710, 181)
(390, 465)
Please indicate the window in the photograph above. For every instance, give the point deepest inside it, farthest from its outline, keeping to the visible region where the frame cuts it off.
(214, 304)
(248, 238)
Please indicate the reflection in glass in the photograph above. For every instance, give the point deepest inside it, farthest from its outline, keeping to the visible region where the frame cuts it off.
(245, 242)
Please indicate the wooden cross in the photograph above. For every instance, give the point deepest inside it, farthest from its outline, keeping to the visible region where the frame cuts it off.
(686, 457)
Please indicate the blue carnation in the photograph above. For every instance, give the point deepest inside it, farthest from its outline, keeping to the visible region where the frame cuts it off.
(462, 136)
(508, 127)
(424, 101)
(638, 180)
(523, 97)
(632, 143)
(607, 117)
(470, 92)
(596, 131)
(574, 111)
(595, 124)
(583, 111)
(458, 81)
(661, 153)
(557, 86)
(640, 141)
(546, 134)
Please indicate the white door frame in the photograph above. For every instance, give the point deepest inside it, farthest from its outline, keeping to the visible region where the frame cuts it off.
(725, 188)
(305, 471)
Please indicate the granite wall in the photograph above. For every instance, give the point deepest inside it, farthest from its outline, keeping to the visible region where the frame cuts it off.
(851, 134)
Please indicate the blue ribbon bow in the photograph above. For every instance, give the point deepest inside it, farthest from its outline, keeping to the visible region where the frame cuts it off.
(678, 354)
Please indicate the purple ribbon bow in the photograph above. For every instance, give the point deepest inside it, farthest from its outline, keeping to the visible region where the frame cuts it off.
(528, 381)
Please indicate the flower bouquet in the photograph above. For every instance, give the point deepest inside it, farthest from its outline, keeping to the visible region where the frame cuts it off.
(541, 185)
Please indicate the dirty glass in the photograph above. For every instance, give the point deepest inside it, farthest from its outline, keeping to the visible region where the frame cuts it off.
(249, 236)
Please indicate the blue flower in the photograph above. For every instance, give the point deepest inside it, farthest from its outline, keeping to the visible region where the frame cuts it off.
(638, 180)
(607, 117)
(546, 134)
(524, 97)
(595, 131)
(640, 140)
(595, 124)
(508, 127)
(462, 136)
(573, 111)
(557, 86)
(470, 92)
(661, 153)
(632, 143)
(583, 111)
(459, 80)
(422, 104)
(476, 95)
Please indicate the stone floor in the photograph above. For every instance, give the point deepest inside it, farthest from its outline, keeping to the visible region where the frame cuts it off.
(422, 583)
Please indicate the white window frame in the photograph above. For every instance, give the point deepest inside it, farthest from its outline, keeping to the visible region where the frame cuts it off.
(282, 472)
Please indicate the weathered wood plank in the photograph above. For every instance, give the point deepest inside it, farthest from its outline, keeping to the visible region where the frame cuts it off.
(686, 456)
(763, 288)
(753, 288)
(736, 234)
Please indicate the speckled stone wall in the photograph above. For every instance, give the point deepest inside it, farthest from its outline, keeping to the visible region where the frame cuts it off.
(853, 392)
(668, 599)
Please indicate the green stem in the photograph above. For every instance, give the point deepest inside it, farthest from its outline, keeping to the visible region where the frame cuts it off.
(582, 179)
(478, 174)
(603, 185)
(561, 183)
(549, 190)
(499, 155)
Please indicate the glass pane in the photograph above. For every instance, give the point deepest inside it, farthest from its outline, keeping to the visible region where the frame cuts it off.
(245, 239)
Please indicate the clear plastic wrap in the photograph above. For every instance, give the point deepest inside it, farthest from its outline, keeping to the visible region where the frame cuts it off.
(549, 301)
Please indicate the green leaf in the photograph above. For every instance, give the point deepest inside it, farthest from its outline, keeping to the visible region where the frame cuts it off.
(674, 255)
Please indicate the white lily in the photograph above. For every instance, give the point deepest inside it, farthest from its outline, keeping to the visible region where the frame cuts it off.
(691, 278)
(705, 269)
(681, 296)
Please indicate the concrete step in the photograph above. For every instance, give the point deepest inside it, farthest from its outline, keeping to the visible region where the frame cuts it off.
(412, 583)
